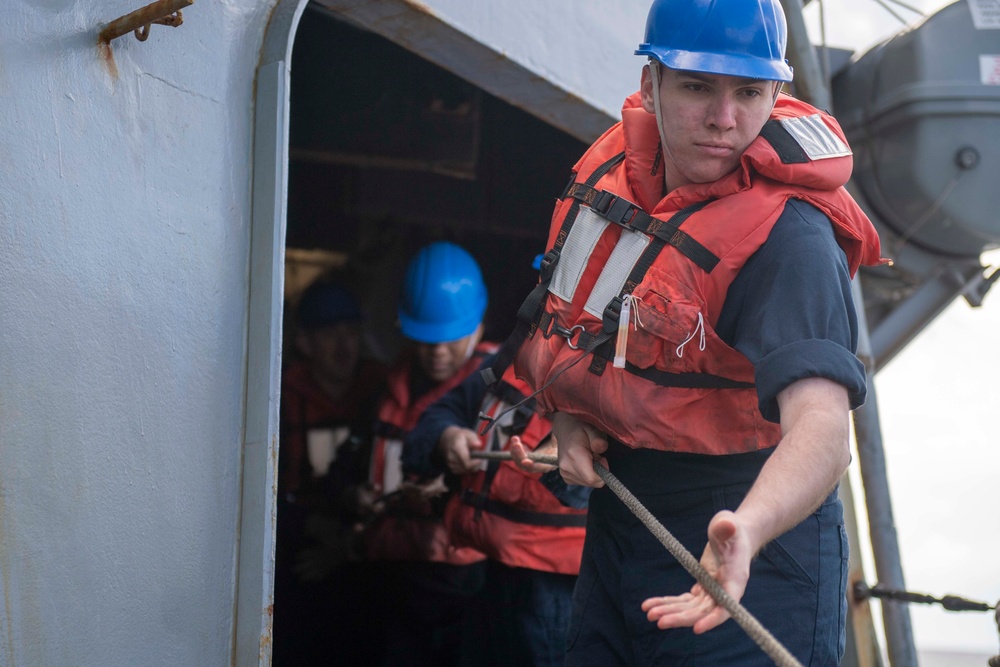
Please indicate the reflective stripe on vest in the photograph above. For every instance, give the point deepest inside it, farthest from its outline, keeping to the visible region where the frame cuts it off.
(580, 242)
(634, 252)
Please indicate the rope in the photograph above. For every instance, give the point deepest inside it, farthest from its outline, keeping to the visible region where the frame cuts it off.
(757, 632)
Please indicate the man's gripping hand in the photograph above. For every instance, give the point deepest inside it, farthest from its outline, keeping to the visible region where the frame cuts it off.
(455, 444)
(580, 444)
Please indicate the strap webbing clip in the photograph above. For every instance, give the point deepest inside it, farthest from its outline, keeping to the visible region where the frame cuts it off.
(612, 312)
(615, 209)
(575, 331)
(548, 264)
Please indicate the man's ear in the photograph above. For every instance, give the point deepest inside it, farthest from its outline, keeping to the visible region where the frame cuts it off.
(646, 89)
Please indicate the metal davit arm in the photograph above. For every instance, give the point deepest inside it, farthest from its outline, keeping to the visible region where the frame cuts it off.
(881, 525)
(812, 87)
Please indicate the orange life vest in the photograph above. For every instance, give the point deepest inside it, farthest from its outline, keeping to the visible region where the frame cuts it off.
(307, 412)
(616, 245)
(504, 511)
(419, 534)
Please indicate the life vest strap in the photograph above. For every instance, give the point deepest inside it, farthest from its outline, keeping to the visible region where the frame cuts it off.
(518, 515)
(685, 380)
(528, 313)
(610, 316)
(508, 394)
(524, 411)
(624, 213)
(492, 468)
(783, 143)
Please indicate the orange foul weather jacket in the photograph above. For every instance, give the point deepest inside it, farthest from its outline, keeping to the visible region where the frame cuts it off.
(416, 532)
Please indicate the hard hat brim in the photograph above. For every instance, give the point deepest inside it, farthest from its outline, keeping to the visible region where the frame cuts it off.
(719, 63)
(434, 333)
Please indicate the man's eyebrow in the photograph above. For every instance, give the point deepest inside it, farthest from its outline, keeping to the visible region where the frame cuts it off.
(708, 78)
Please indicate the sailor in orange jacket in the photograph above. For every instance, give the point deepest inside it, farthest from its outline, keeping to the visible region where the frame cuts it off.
(694, 330)
(522, 515)
(430, 582)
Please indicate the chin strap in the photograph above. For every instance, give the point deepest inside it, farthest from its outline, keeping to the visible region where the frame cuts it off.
(654, 75)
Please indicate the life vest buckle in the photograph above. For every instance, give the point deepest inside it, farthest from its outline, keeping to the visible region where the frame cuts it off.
(614, 209)
(611, 314)
(548, 263)
(570, 333)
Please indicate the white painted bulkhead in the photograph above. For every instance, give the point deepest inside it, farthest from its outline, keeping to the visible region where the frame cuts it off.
(141, 219)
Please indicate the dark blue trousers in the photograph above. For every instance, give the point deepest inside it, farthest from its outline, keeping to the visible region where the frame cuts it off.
(527, 615)
(797, 586)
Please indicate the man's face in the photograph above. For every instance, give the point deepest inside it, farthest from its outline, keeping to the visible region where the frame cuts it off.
(708, 121)
(333, 350)
(442, 360)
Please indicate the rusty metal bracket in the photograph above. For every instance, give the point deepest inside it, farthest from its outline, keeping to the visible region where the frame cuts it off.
(163, 12)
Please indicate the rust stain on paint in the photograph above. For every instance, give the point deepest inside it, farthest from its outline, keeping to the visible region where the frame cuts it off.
(265, 639)
(104, 51)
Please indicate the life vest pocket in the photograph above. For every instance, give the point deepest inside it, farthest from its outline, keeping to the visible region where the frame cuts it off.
(666, 330)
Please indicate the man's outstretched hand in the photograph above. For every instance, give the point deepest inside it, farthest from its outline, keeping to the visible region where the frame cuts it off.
(727, 559)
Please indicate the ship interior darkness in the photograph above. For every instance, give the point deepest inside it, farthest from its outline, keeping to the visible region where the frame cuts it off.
(389, 152)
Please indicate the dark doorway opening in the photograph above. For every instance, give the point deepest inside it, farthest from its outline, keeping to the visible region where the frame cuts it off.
(389, 152)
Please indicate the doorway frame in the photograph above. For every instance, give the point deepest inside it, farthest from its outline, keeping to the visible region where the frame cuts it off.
(413, 26)
(254, 604)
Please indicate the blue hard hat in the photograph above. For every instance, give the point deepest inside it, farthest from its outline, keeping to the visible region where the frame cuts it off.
(444, 296)
(744, 38)
(323, 304)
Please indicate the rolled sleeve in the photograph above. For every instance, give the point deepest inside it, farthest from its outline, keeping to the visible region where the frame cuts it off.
(808, 359)
(790, 310)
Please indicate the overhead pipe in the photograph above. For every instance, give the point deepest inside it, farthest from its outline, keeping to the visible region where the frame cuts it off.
(911, 316)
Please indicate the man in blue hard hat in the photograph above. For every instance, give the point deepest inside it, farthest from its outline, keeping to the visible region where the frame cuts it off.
(694, 331)
(433, 583)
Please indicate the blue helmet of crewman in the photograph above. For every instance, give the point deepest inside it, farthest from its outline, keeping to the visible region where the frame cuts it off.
(444, 297)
